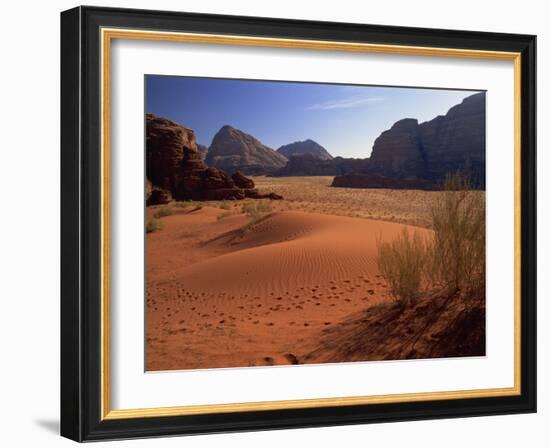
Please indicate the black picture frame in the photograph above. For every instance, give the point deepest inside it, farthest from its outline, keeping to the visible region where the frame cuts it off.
(81, 224)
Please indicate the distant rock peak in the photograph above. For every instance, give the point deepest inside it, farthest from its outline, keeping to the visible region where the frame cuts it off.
(235, 150)
(305, 147)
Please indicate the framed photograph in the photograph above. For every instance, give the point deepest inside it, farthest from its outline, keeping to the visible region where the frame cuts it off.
(276, 224)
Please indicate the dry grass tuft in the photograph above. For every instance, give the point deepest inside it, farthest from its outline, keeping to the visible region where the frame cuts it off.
(457, 254)
(152, 225)
(256, 210)
(402, 263)
(454, 260)
(163, 211)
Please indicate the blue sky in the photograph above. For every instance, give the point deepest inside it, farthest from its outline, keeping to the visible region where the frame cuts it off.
(344, 119)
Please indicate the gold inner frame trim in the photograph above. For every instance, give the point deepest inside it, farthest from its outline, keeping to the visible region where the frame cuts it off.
(107, 35)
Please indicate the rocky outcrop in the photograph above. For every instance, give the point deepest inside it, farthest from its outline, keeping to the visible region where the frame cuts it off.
(166, 141)
(448, 141)
(397, 153)
(309, 165)
(242, 181)
(159, 196)
(305, 147)
(423, 154)
(198, 182)
(176, 170)
(233, 150)
(432, 149)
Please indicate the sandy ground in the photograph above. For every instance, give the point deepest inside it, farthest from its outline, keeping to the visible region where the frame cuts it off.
(314, 194)
(222, 292)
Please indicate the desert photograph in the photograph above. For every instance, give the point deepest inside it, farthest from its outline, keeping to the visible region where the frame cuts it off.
(301, 223)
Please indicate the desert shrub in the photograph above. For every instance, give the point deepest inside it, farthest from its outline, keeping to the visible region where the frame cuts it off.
(223, 215)
(457, 254)
(163, 211)
(256, 210)
(402, 261)
(152, 225)
(224, 206)
(183, 204)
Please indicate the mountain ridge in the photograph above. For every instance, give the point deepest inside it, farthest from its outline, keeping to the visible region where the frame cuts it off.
(303, 147)
(234, 150)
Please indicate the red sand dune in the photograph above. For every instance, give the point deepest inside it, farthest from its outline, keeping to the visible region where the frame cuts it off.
(218, 296)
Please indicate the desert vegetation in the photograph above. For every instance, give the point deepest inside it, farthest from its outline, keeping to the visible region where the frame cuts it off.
(453, 259)
(256, 210)
(314, 194)
(402, 262)
(152, 225)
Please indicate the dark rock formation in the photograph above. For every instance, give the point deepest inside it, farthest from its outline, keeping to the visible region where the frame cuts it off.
(196, 181)
(305, 147)
(434, 148)
(233, 150)
(397, 153)
(375, 181)
(448, 141)
(241, 180)
(309, 165)
(159, 196)
(166, 141)
(424, 153)
(175, 168)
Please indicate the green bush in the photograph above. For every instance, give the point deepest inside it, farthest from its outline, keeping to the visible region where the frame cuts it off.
(402, 262)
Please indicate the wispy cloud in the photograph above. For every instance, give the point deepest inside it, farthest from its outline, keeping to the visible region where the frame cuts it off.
(345, 103)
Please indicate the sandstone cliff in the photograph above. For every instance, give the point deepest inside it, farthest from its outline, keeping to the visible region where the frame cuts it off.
(233, 150)
(175, 168)
(423, 154)
(429, 150)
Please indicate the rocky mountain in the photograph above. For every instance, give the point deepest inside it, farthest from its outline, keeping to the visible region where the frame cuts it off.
(233, 150)
(305, 147)
(449, 140)
(429, 150)
(175, 169)
(166, 142)
(397, 152)
(424, 153)
(203, 149)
